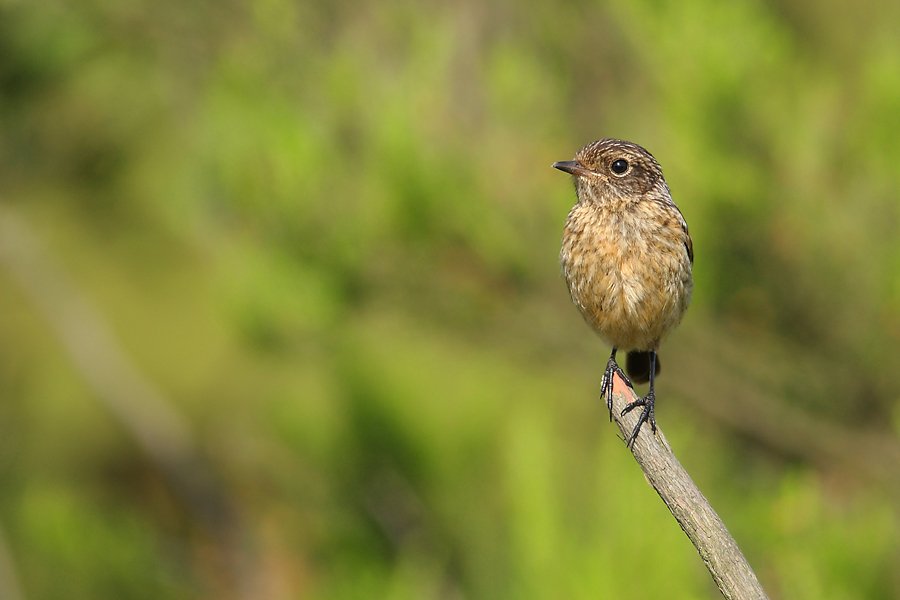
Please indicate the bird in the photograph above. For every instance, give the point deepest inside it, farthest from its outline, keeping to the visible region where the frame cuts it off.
(627, 258)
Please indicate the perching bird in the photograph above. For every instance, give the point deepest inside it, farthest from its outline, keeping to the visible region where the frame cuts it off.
(627, 257)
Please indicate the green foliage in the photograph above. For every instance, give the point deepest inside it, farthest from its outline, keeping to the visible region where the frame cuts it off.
(328, 231)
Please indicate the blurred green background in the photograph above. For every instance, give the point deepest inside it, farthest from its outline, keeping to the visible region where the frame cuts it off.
(281, 314)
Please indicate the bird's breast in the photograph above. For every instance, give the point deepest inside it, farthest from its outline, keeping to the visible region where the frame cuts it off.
(628, 272)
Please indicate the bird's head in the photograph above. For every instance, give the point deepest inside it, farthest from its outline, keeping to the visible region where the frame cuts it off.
(612, 171)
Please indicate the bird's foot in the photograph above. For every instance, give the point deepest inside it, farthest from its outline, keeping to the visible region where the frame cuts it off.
(647, 402)
(606, 384)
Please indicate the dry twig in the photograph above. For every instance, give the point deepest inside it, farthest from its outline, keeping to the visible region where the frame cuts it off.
(727, 565)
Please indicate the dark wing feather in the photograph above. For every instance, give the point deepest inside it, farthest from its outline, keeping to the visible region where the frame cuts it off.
(688, 244)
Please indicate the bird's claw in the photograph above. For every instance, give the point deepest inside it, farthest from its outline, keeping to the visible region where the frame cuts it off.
(648, 402)
(606, 384)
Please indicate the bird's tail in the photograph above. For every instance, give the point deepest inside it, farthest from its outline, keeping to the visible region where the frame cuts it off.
(637, 365)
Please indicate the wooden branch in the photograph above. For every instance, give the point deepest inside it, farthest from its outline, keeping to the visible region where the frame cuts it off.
(727, 565)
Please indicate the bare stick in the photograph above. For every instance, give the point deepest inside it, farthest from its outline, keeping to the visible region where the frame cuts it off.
(727, 565)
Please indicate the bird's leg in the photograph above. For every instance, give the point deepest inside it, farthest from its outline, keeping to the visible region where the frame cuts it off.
(647, 402)
(606, 384)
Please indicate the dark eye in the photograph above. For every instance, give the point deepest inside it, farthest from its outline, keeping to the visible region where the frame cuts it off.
(619, 166)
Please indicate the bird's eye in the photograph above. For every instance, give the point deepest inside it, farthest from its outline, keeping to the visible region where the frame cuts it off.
(619, 166)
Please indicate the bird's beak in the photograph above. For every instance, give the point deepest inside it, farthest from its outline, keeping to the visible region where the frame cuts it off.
(572, 166)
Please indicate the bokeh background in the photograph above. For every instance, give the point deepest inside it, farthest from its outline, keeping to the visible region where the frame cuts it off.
(281, 314)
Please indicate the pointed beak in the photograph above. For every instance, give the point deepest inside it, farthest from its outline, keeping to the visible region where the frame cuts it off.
(573, 167)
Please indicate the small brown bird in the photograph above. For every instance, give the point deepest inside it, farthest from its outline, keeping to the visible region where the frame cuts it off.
(627, 257)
